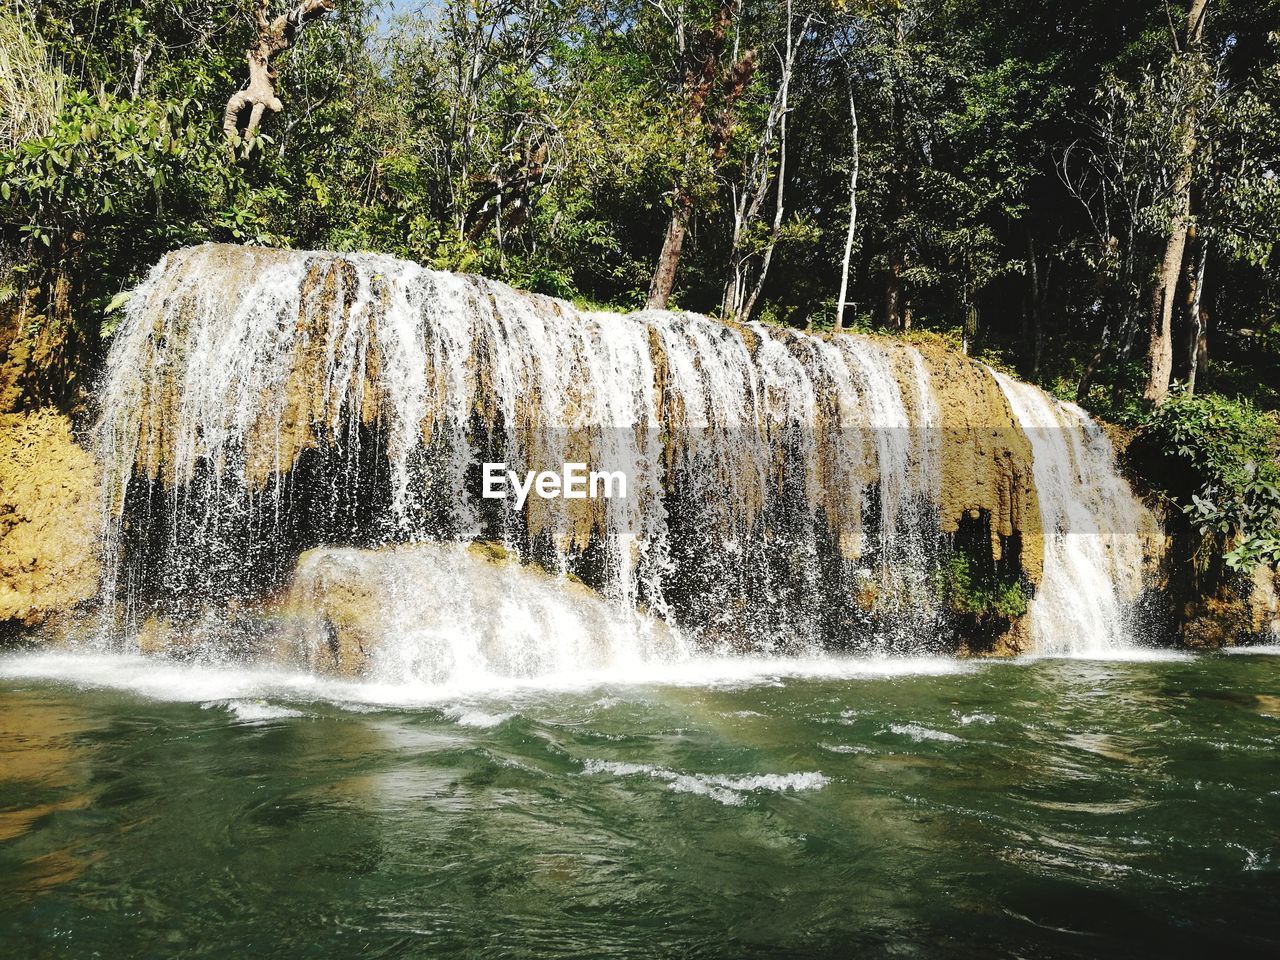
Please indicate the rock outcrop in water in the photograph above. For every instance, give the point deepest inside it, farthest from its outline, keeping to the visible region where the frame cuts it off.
(787, 491)
(1225, 609)
(433, 612)
(1264, 602)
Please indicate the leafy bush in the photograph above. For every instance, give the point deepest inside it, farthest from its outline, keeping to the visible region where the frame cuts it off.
(108, 189)
(972, 592)
(1218, 462)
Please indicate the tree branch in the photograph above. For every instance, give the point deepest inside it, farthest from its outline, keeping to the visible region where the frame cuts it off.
(244, 110)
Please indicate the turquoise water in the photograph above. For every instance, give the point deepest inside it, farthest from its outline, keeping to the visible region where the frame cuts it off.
(1041, 808)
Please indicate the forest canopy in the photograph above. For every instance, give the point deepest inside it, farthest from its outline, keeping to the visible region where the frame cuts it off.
(1078, 191)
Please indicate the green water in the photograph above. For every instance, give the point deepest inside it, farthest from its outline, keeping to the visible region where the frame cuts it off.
(1031, 809)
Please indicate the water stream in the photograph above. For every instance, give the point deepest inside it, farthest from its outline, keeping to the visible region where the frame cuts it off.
(1093, 562)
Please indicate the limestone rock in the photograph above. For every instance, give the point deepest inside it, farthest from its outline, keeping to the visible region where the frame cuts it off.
(1264, 603)
(49, 519)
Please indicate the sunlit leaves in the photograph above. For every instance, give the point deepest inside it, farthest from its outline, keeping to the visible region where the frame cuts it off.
(1230, 450)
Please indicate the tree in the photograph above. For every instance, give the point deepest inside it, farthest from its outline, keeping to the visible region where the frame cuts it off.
(855, 157)
(707, 124)
(1126, 173)
(749, 200)
(1236, 196)
(1160, 347)
(918, 152)
(244, 109)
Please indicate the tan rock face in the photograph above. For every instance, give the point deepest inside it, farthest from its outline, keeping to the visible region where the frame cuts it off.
(1264, 602)
(43, 355)
(986, 457)
(1244, 610)
(49, 518)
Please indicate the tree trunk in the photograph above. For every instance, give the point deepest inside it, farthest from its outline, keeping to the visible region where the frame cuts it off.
(244, 110)
(664, 273)
(893, 295)
(1160, 351)
(733, 286)
(702, 69)
(1196, 335)
(853, 214)
(776, 228)
(1091, 368)
(784, 100)
(969, 329)
(755, 186)
(1160, 348)
(894, 318)
(1034, 334)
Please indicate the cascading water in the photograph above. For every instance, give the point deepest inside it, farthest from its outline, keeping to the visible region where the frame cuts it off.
(1095, 530)
(786, 491)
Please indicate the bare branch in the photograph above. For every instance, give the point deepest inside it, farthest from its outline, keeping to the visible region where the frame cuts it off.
(245, 108)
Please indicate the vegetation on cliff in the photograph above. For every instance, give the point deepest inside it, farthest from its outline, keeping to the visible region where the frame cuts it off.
(1217, 460)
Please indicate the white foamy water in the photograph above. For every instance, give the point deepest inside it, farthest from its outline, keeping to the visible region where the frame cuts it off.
(445, 615)
(254, 711)
(731, 791)
(230, 361)
(472, 717)
(1095, 530)
(846, 748)
(921, 733)
(1116, 654)
(206, 682)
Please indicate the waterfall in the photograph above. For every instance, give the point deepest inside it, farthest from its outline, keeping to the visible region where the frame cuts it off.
(786, 492)
(1095, 530)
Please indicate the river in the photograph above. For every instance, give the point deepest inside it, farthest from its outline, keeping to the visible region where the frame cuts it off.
(715, 808)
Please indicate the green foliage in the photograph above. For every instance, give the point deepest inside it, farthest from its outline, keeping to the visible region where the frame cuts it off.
(1010, 155)
(1242, 204)
(1116, 395)
(103, 163)
(1226, 477)
(91, 194)
(980, 594)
